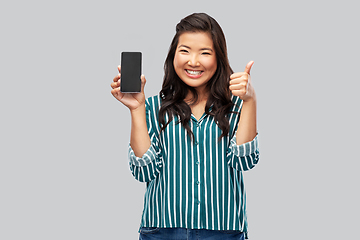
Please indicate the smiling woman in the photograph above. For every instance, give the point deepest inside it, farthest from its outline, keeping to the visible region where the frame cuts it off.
(195, 60)
(192, 142)
(198, 45)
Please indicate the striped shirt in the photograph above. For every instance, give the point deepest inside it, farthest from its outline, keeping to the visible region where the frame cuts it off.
(197, 183)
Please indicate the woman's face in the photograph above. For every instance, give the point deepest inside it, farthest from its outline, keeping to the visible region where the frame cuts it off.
(195, 59)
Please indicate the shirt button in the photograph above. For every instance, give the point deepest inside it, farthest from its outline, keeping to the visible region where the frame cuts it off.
(197, 163)
(196, 143)
(197, 182)
(198, 202)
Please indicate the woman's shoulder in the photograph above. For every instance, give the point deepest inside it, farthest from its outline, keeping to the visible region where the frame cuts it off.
(153, 102)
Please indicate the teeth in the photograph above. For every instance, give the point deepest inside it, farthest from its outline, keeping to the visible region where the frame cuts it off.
(194, 72)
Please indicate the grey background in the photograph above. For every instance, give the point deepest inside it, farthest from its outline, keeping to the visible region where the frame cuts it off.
(64, 171)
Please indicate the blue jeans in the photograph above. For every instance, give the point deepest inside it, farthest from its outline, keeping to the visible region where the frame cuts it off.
(152, 233)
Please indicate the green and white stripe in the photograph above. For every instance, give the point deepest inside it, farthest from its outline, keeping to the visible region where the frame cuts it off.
(198, 183)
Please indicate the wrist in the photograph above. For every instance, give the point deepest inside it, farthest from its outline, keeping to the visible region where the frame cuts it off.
(251, 99)
(138, 110)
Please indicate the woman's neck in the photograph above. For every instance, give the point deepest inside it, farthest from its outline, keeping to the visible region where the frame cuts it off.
(202, 96)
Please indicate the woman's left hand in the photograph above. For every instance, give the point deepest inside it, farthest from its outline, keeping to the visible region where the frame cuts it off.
(240, 84)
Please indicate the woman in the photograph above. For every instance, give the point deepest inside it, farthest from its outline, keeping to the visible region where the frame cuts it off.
(192, 142)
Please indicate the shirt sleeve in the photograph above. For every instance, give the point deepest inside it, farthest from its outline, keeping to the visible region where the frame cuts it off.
(243, 157)
(146, 168)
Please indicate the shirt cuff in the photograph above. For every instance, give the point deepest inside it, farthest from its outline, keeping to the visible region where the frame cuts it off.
(145, 160)
(245, 149)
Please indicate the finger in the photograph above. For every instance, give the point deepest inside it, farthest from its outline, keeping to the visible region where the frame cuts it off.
(239, 93)
(117, 77)
(115, 84)
(236, 75)
(248, 67)
(238, 79)
(116, 93)
(234, 81)
(242, 85)
(143, 81)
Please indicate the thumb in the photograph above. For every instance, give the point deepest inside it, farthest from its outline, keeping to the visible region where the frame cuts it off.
(248, 67)
(143, 81)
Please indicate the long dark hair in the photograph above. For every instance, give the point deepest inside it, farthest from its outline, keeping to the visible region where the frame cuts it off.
(174, 90)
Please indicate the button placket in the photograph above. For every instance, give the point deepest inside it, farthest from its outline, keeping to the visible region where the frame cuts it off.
(197, 149)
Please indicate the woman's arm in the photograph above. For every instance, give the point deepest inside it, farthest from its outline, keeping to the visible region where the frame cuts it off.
(240, 85)
(139, 139)
(145, 159)
(247, 130)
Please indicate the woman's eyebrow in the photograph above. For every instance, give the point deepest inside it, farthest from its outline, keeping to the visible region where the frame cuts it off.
(202, 49)
(209, 49)
(184, 46)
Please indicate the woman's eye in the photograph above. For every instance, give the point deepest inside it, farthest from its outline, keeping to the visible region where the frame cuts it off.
(206, 53)
(183, 50)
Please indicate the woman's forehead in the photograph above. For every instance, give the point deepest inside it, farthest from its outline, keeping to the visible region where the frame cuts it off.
(195, 39)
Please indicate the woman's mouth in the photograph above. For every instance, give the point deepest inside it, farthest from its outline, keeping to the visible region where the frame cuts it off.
(193, 73)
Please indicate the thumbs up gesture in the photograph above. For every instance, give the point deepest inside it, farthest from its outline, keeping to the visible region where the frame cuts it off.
(240, 84)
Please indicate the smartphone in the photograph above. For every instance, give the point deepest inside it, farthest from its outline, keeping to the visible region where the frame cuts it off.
(130, 72)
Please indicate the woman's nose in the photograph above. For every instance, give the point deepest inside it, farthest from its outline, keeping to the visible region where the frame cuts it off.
(193, 61)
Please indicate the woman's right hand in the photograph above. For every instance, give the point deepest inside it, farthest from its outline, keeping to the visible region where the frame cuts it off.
(131, 100)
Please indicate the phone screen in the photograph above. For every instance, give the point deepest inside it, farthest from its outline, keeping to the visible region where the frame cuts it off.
(130, 72)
